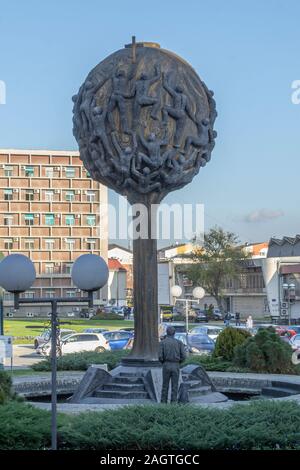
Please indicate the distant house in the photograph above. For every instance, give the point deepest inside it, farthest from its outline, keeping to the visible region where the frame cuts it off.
(116, 283)
(281, 268)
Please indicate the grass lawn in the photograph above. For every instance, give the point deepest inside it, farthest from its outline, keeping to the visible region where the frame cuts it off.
(23, 330)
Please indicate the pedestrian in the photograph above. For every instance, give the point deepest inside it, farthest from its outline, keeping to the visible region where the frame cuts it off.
(237, 319)
(227, 319)
(124, 312)
(249, 322)
(171, 354)
(128, 312)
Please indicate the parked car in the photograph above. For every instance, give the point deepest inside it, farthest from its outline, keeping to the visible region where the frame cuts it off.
(117, 339)
(209, 330)
(201, 315)
(79, 342)
(95, 330)
(217, 315)
(179, 328)
(117, 310)
(295, 342)
(196, 344)
(45, 337)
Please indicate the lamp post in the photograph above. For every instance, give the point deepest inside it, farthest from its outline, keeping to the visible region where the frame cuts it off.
(198, 293)
(17, 274)
(288, 288)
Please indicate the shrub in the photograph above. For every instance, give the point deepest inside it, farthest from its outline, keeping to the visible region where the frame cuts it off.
(24, 427)
(82, 361)
(227, 340)
(241, 427)
(215, 364)
(5, 387)
(106, 316)
(265, 352)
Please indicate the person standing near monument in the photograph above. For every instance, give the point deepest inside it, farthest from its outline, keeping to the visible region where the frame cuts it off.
(171, 354)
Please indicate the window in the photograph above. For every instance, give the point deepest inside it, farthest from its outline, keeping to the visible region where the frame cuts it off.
(8, 194)
(49, 219)
(70, 196)
(8, 220)
(28, 219)
(90, 196)
(29, 295)
(8, 244)
(49, 195)
(90, 244)
(71, 293)
(70, 219)
(29, 171)
(8, 171)
(29, 195)
(49, 243)
(91, 220)
(49, 268)
(49, 172)
(70, 243)
(70, 172)
(29, 244)
(67, 268)
(50, 294)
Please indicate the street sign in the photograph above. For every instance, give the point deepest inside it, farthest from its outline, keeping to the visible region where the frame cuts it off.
(6, 349)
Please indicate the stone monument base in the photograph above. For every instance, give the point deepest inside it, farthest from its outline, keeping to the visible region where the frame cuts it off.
(141, 383)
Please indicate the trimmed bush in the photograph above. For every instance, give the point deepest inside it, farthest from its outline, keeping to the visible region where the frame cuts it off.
(106, 316)
(227, 340)
(82, 361)
(255, 426)
(5, 387)
(265, 352)
(24, 427)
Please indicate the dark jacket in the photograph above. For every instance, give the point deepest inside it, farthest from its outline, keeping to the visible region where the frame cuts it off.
(171, 350)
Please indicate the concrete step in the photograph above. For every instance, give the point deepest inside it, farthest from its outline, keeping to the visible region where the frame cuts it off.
(288, 385)
(277, 392)
(214, 397)
(193, 383)
(128, 374)
(125, 387)
(121, 394)
(115, 401)
(127, 380)
(195, 392)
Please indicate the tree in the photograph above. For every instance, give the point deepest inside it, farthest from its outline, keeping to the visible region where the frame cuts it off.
(218, 259)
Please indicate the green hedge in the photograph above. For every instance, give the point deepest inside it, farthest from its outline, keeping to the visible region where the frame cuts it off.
(257, 425)
(82, 361)
(227, 341)
(106, 316)
(216, 364)
(5, 387)
(265, 352)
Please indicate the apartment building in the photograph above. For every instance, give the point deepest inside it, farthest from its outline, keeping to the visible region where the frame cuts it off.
(50, 212)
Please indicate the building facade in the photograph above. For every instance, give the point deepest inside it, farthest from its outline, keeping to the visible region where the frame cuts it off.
(50, 212)
(281, 268)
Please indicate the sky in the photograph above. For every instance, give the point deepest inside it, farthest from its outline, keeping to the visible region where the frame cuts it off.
(248, 52)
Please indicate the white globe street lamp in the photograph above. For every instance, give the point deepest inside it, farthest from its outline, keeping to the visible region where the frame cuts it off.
(198, 293)
(17, 273)
(176, 291)
(89, 272)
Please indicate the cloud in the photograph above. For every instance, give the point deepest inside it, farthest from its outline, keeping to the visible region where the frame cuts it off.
(262, 215)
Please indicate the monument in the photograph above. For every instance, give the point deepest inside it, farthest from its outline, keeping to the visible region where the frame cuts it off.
(143, 120)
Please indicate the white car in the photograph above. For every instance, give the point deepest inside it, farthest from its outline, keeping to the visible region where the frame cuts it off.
(209, 330)
(295, 342)
(80, 342)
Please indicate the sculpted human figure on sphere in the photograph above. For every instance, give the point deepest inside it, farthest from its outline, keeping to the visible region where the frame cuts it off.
(133, 118)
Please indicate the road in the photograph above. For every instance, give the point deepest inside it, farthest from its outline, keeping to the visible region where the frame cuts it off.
(24, 356)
